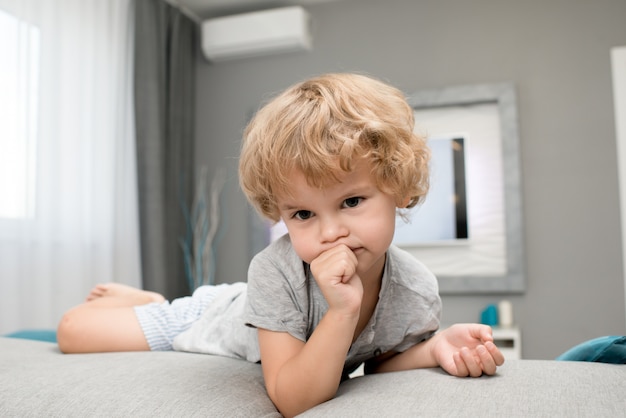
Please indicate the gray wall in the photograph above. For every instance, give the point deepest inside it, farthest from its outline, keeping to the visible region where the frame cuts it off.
(557, 54)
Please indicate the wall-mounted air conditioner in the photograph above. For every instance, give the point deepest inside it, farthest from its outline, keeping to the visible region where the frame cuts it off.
(271, 31)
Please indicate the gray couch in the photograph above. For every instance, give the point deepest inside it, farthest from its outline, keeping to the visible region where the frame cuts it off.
(36, 380)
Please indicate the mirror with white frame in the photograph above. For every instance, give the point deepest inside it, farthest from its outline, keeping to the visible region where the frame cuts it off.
(475, 196)
(469, 229)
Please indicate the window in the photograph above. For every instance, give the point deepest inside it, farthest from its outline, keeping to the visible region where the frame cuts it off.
(19, 83)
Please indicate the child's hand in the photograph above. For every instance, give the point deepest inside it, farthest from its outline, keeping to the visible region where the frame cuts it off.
(335, 273)
(467, 350)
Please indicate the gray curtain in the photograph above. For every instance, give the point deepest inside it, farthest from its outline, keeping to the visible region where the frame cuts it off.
(166, 43)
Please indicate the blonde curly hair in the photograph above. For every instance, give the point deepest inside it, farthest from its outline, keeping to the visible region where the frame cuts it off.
(325, 125)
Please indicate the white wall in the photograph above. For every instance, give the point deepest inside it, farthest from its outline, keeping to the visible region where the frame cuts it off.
(618, 61)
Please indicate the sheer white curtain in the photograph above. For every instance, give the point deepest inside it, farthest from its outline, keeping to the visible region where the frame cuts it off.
(68, 205)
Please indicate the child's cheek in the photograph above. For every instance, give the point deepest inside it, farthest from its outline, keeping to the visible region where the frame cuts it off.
(303, 248)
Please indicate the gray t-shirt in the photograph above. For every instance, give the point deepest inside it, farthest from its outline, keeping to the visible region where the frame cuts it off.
(284, 296)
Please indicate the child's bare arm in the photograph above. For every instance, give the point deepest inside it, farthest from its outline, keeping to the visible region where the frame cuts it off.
(301, 375)
(461, 350)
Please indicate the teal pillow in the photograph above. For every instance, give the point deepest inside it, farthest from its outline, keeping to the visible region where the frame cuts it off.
(35, 334)
(609, 349)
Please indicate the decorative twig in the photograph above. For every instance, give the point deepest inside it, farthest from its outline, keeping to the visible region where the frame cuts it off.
(202, 225)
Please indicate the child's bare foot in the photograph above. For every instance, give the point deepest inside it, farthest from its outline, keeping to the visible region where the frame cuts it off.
(121, 290)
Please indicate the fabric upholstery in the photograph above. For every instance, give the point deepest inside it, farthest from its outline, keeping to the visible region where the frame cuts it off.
(36, 380)
(521, 388)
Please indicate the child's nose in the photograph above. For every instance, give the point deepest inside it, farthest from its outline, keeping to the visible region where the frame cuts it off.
(332, 228)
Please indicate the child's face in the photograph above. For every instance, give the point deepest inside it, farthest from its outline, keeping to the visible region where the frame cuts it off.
(353, 212)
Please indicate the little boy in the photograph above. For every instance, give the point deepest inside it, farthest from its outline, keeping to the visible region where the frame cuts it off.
(335, 157)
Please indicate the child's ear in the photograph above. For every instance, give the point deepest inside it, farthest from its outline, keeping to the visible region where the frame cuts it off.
(405, 203)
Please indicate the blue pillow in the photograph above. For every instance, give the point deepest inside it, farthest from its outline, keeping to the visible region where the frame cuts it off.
(609, 349)
(35, 334)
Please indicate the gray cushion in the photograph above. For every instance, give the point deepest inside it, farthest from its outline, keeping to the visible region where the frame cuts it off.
(36, 380)
(521, 388)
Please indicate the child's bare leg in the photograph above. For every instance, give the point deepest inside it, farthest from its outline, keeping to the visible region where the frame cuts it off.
(127, 293)
(106, 322)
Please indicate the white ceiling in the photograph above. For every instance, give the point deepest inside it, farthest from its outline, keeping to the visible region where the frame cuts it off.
(202, 9)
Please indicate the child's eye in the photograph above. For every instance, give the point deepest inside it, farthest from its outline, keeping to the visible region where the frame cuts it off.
(303, 215)
(352, 202)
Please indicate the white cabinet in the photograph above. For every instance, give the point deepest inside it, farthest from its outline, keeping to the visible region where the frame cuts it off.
(509, 341)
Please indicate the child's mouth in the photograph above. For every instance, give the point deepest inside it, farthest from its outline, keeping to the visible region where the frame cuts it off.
(357, 250)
